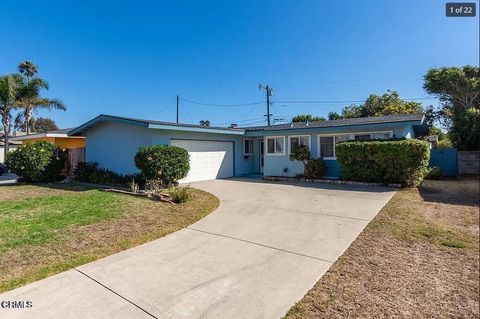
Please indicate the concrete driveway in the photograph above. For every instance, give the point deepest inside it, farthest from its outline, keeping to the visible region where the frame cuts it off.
(254, 257)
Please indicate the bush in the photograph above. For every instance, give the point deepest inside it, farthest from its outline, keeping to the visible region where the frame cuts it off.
(315, 168)
(180, 194)
(434, 173)
(165, 163)
(444, 143)
(89, 172)
(3, 169)
(37, 162)
(403, 162)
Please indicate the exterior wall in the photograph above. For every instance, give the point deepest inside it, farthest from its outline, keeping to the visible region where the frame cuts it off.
(243, 165)
(114, 145)
(62, 142)
(276, 165)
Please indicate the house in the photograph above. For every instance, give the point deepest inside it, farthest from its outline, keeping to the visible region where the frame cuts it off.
(57, 137)
(220, 152)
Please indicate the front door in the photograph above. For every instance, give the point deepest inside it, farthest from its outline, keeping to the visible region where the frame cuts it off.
(262, 155)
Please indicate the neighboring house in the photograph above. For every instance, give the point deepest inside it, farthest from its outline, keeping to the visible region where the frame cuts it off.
(57, 137)
(219, 152)
(13, 145)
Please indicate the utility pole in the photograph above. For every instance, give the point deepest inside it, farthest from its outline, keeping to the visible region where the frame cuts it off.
(269, 93)
(178, 101)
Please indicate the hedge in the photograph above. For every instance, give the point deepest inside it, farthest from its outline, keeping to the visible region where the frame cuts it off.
(40, 161)
(402, 162)
(90, 172)
(163, 163)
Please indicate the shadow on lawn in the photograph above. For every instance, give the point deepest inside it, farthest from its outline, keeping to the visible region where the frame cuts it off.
(454, 191)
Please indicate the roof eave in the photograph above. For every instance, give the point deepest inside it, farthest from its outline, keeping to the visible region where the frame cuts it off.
(196, 129)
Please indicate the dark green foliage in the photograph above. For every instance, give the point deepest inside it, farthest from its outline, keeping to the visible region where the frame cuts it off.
(465, 130)
(307, 118)
(434, 173)
(315, 168)
(89, 172)
(402, 162)
(300, 153)
(37, 162)
(165, 163)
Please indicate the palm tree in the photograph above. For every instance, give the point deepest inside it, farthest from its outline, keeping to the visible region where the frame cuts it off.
(28, 69)
(30, 100)
(9, 85)
(204, 123)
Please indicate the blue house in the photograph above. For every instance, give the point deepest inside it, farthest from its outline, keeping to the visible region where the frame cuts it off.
(220, 152)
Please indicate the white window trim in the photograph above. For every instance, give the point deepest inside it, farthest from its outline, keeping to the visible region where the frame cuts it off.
(253, 146)
(299, 136)
(343, 134)
(266, 146)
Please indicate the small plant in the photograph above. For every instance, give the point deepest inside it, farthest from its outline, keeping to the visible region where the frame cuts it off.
(434, 173)
(315, 168)
(134, 186)
(153, 187)
(37, 162)
(180, 194)
(452, 243)
(90, 172)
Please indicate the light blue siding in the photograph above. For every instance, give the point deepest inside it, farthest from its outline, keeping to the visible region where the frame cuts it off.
(114, 145)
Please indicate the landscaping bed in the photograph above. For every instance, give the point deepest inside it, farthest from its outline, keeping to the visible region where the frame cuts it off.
(49, 228)
(418, 258)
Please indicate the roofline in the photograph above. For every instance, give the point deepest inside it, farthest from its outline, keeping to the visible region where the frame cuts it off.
(329, 128)
(145, 123)
(42, 135)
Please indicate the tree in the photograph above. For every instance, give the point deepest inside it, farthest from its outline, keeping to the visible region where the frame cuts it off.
(30, 98)
(44, 124)
(458, 89)
(28, 69)
(204, 123)
(389, 103)
(455, 87)
(334, 116)
(9, 85)
(307, 118)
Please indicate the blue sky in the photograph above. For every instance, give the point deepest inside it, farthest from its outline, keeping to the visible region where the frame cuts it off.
(131, 58)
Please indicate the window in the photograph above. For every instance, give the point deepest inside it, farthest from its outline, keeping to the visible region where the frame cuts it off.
(276, 145)
(298, 140)
(363, 137)
(380, 136)
(248, 146)
(327, 148)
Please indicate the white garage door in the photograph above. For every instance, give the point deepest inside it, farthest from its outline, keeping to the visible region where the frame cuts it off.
(208, 159)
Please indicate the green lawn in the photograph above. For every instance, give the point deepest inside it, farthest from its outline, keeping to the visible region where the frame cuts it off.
(45, 229)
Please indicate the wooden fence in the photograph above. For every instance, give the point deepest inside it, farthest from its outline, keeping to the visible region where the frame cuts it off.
(74, 156)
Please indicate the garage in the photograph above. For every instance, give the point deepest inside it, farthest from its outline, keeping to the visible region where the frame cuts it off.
(208, 159)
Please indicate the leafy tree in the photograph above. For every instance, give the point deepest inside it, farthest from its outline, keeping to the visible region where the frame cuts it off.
(204, 123)
(307, 118)
(455, 87)
(334, 116)
(9, 86)
(30, 98)
(389, 103)
(44, 124)
(458, 88)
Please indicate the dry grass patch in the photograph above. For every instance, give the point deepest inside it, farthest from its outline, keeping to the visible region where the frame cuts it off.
(67, 227)
(418, 258)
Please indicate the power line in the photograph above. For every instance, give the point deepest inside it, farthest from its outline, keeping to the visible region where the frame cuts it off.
(222, 105)
(346, 101)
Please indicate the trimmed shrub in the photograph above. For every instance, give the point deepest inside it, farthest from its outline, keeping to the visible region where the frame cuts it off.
(165, 163)
(40, 161)
(315, 168)
(403, 162)
(89, 172)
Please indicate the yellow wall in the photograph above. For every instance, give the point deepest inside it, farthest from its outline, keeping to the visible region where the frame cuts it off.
(62, 142)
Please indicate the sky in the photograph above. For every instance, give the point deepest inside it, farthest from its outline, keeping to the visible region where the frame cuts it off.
(131, 58)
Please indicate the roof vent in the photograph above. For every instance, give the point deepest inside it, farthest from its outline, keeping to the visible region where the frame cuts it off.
(291, 124)
(306, 123)
(233, 125)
